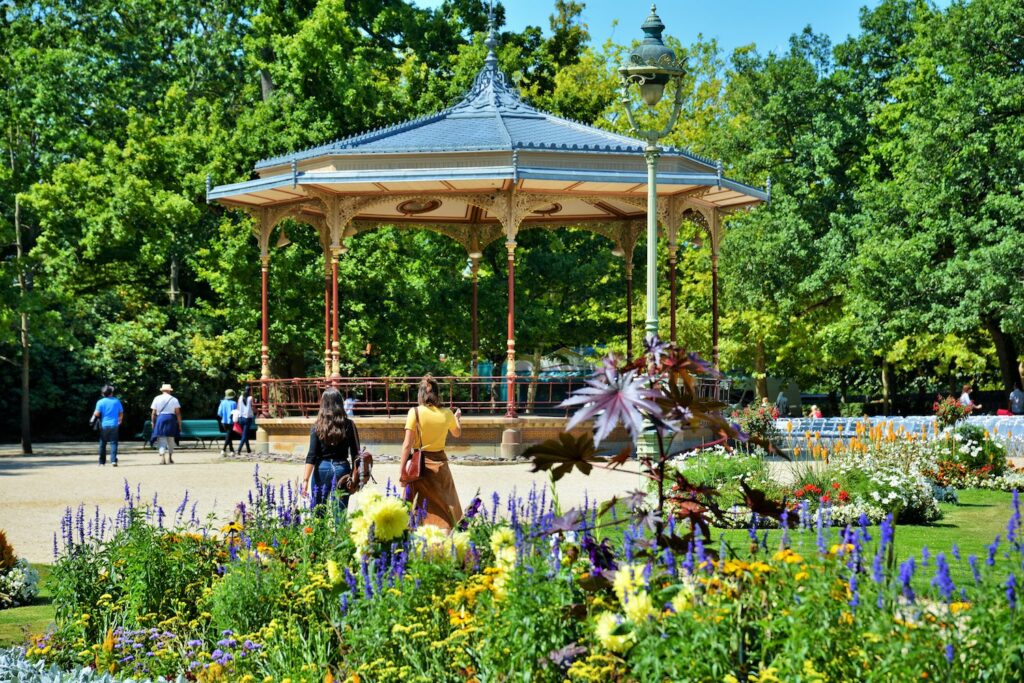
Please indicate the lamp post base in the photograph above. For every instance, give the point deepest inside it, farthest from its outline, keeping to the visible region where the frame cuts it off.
(511, 443)
(262, 445)
(647, 442)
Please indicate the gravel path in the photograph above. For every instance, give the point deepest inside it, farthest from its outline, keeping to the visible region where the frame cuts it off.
(35, 490)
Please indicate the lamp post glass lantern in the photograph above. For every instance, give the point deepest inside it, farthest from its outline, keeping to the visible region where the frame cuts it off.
(652, 66)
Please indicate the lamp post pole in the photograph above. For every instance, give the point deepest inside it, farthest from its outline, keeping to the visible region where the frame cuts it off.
(651, 154)
(652, 66)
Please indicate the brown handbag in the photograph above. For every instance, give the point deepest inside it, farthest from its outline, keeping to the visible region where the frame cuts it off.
(414, 464)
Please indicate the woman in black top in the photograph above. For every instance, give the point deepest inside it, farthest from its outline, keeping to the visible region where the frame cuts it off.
(333, 449)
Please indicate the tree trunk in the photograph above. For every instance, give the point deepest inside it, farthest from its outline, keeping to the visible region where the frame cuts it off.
(760, 371)
(174, 280)
(266, 81)
(26, 360)
(886, 390)
(1007, 351)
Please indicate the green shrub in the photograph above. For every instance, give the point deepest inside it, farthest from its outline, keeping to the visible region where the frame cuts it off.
(246, 598)
(971, 446)
(852, 409)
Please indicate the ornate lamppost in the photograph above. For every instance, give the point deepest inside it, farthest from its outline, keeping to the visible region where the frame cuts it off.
(651, 67)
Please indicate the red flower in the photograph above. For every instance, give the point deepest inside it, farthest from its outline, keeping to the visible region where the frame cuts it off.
(825, 499)
(835, 484)
(798, 493)
(844, 496)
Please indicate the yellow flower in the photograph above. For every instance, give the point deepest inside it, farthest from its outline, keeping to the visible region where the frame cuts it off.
(606, 625)
(788, 556)
(460, 539)
(438, 544)
(845, 548)
(628, 580)
(682, 600)
(639, 607)
(369, 499)
(334, 574)
(801, 576)
(957, 607)
(390, 518)
(813, 675)
(359, 530)
(769, 675)
(505, 557)
(736, 567)
(502, 538)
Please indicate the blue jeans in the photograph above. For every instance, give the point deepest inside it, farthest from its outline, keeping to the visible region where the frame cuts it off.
(108, 435)
(325, 479)
(243, 440)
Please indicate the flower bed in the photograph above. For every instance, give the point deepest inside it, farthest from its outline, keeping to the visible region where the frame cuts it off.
(18, 581)
(281, 593)
(523, 589)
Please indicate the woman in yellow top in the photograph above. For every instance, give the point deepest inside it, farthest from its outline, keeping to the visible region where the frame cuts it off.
(428, 426)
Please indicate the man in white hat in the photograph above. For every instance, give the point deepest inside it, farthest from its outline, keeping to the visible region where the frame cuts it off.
(166, 417)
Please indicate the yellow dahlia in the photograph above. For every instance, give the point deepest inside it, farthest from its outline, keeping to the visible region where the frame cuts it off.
(359, 530)
(629, 579)
(604, 630)
(390, 518)
(639, 607)
(502, 538)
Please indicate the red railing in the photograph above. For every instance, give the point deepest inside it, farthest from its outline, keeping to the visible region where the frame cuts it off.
(385, 396)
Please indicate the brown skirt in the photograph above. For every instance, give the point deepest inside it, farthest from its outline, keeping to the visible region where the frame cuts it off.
(435, 491)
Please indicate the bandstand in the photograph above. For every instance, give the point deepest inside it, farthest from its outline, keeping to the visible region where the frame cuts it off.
(480, 171)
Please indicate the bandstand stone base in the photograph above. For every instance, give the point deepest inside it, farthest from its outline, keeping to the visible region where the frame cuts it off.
(484, 438)
(494, 438)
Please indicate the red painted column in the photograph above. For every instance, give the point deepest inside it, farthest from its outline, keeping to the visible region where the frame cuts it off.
(327, 319)
(475, 360)
(335, 345)
(510, 373)
(264, 347)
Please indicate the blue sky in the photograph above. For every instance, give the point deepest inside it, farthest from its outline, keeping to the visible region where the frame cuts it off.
(768, 23)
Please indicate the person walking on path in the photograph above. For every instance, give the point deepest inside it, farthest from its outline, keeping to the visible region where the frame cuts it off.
(427, 427)
(110, 414)
(226, 413)
(333, 449)
(245, 417)
(1017, 400)
(166, 417)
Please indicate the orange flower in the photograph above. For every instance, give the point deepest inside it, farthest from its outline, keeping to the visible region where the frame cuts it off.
(307, 529)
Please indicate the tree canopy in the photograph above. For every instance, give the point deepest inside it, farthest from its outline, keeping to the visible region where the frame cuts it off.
(891, 255)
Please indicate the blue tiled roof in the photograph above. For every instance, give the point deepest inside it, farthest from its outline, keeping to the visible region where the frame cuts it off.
(492, 116)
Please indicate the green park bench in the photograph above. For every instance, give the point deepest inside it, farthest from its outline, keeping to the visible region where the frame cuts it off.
(196, 430)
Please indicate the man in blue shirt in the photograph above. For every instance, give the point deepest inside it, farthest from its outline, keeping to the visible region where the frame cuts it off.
(109, 413)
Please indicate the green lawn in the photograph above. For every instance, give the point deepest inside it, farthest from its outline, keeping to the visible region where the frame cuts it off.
(18, 622)
(972, 525)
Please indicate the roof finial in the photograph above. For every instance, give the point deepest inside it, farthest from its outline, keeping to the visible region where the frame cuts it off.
(492, 38)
